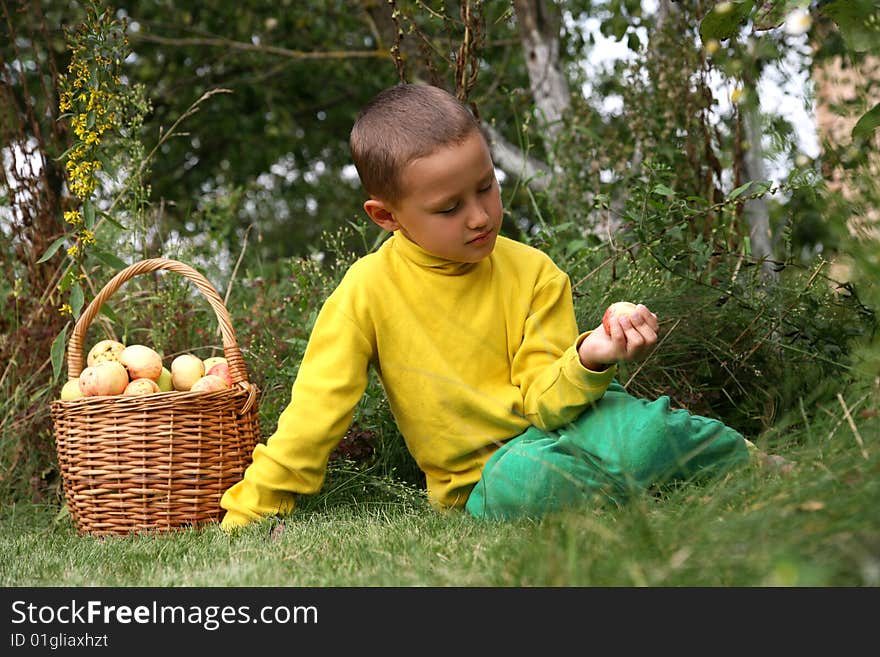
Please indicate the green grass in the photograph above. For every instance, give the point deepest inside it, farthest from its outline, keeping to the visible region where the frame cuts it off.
(818, 526)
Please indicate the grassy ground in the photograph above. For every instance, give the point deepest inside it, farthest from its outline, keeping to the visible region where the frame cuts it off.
(817, 526)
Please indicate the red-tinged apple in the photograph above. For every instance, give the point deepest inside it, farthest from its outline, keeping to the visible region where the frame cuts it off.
(165, 384)
(104, 350)
(186, 369)
(141, 361)
(617, 309)
(106, 378)
(213, 360)
(209, 383)
(71, 390)
(222, 370)
(141, 387)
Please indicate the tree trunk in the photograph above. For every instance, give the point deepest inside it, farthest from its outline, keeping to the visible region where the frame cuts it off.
(755, 210)
(539, 27)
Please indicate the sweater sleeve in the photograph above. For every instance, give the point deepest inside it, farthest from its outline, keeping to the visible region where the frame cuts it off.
(331, 380)
(556, 386)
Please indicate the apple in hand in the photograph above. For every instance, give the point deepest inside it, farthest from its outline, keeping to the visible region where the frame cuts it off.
(617, 309)
(106, 378)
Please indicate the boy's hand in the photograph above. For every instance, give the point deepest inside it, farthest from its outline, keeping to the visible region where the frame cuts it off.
(632, 338)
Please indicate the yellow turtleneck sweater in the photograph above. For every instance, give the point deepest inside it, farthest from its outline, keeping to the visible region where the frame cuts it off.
(469, 355)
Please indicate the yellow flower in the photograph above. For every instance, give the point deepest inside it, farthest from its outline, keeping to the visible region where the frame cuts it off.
(65, 309)
(73, 217)
(73, 250)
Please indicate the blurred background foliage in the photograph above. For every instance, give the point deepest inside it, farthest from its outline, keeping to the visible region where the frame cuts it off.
(632, 138)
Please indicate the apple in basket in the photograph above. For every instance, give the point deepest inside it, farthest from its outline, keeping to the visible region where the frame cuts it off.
(141, 361)
(71, 390)
(164, 381)
(106, 378)
(209, 383)
(222, 370)
(141, 387)
(213, 360)
(186, 369)
(617, 309)
(104, 350)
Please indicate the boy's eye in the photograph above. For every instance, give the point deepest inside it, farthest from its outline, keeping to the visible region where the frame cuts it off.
(449, 210)
(487, 186)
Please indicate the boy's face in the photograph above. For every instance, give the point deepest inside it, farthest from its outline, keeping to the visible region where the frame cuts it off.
(451, 203)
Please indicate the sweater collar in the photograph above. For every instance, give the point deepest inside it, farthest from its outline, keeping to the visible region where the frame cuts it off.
(417, 255)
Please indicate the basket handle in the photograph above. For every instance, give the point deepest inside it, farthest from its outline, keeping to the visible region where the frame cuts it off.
(237, 369)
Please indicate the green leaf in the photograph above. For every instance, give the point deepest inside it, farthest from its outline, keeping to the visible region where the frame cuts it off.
(725, 19)
(57, 352)
(771, 13)
(67, 151)
(633, 42)
(739, 191)
(109, 259)
(113, 221)
(53, 247)
(89, 215)
(859, 34)
(753, 187)
(108, 311)
(76, 299)
(867, 124)
(663, 190)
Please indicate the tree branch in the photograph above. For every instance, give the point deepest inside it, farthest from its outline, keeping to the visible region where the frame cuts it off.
(217, 42)
(514, 161)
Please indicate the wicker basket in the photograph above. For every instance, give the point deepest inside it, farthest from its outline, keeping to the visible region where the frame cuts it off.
(160, 461)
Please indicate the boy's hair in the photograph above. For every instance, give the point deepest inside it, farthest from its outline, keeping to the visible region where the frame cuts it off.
(400, 124)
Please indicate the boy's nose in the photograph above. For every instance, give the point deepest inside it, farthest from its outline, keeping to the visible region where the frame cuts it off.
(477, 217)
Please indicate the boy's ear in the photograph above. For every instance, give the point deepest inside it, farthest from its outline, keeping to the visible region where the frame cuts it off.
(381, 214)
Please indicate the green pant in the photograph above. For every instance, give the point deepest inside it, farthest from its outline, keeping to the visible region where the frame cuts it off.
(618, 446)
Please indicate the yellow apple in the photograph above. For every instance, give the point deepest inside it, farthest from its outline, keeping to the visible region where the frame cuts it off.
(71, 390)
(104, 350)
(141, 361)
(106, 378)
(213, 360)
(209, 383)
(141, 387)
(186, 369)
(617, 309)
(164, 381)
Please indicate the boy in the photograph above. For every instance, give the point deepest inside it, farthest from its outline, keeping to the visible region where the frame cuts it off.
(505, 407)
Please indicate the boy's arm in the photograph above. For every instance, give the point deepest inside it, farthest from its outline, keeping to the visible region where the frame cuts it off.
(555, 383)
(331, 380)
